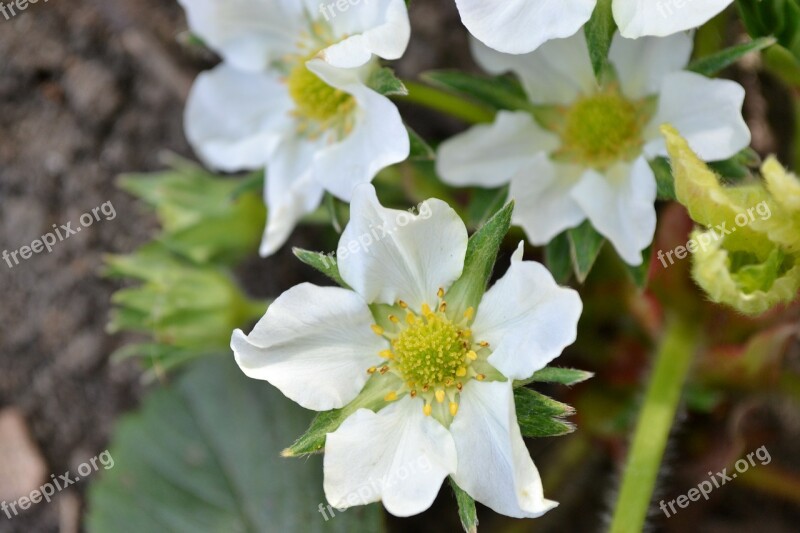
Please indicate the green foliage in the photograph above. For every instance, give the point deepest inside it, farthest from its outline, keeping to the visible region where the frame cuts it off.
(203, 217)
(188, 309)
(541, 416)
(499, 92)
(482, 251)
(202, 455)
(778, 18)
(585, 244)
(599, 33)
(466, 508)
(715, 63)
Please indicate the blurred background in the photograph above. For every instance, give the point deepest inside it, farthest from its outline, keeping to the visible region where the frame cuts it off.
(92, 89)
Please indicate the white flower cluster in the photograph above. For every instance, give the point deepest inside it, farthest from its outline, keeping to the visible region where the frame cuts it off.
(293, 95)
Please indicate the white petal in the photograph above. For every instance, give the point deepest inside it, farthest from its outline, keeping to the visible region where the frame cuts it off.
(494, 466)
(488, 155)
(620, 206)
(521, 26)
(387, 254)
(378, 139)
(314, 344)
(643, 63)
(398, 455)
(290, 190)
(250, 34)
(544, 205)
(379, 27)
(557, 73)
(636, 18)
(234, 119)
(527, 319)
(708, 113)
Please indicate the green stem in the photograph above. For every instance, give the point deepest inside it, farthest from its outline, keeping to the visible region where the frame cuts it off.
(447, 103)
(653, 426)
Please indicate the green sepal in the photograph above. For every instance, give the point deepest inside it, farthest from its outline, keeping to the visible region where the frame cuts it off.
(552, 374)
(481, 255)
(383, 81)
(466, 508)
(713, 64)
(324, 263)
(541, 416)
(585, 244)
(599, 34)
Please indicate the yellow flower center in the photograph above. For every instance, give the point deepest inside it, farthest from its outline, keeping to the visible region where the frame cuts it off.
(315, 100)
(434, 355)
(602, 129)
(430, 351)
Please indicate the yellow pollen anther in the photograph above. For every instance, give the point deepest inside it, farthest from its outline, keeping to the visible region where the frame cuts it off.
(440, 396)
(483, 344)
(453, 408)
(394, 319)
(402, 304)
(411, 319)
(387, 354)
(426, 310)
(448, 382)
(466, 333)
(425, 388)
(392, 396)
(472, 355)
(459, 386)
(384, 369)
(428, 409)
(377, 329)
(469, 313)
(443, 307)
(461, 372)
(480, 377)
(413, 393)
(372, 370)
(440, 293)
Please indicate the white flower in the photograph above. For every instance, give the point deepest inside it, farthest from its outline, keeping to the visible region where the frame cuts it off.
(442, 374)
(291, 95)
(592, 160)
(521, 26)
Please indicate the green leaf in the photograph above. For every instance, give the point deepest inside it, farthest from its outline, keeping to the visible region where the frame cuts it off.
(665, 183)
(466, 508)
(202, 455)
(420, 149)
(484, 203)
(499, 92)
(541, 416)
(383, 81)
(558, 259)
(585, 244)
(552, 374)
(323, 263)
(715, 63)
(599, 33)
(482, 250)
(313, 440)
(737, 167)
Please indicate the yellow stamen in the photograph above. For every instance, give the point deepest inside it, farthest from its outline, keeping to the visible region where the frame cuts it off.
(413, 394)
(472, 355)
(384, 369)
(377, 329)
(371, 370)
(483, 344)
(461, 372)
(443, 307)
(440, 395)
(469, 313)
(392, 396)
(440, 293)
(480, 377)
(453, 408)
(426, 310)
(411, 319)
(402, 304)
(387, 354)
(428, 409)
(394, 319)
